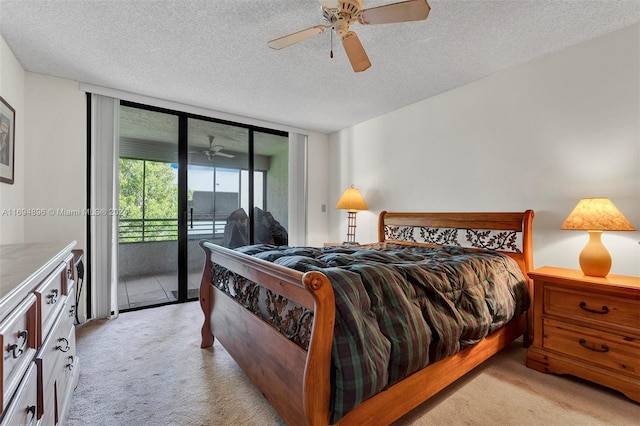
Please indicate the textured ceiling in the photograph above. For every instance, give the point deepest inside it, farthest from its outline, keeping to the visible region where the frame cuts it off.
(214, 53)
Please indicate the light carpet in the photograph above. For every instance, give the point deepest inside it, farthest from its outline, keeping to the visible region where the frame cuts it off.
(147, 368)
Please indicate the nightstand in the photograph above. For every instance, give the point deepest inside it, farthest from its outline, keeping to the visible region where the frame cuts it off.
(588, 327)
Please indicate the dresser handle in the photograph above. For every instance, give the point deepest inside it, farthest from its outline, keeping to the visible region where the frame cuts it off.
(603, 310)
(24, 334)
(31, 410)
(603, 347)
(70, 365)
(60, 348)
(53, 297)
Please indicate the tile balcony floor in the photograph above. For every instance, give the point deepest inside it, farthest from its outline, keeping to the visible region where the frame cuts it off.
(146, 290)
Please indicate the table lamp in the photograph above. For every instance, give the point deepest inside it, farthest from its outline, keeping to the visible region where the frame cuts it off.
(596, 215)
(352, 201)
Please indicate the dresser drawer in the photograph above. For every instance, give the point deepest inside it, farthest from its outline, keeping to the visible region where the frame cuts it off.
(612, 311)
(67, 374)
(68, 279)
(23, 409)
(17, 335)
(55, 345)
(593, 346)
(69, 309)
(54, 355)
(47, 404)
(50, 298)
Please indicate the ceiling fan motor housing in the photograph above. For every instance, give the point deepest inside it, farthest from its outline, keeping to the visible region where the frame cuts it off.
(347, 13)
(351, 7)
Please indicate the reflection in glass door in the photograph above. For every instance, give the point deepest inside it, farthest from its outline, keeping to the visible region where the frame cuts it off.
(222, 207)
(218, 153)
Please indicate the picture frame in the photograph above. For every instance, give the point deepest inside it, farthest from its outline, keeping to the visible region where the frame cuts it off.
(7, 141)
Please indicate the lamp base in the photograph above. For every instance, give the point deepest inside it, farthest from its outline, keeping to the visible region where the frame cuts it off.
(351, 229)
(595, 260)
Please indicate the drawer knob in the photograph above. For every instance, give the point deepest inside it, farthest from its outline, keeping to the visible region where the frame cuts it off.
(603, 310)
(66, 343)
(603, 348)
(13, 347)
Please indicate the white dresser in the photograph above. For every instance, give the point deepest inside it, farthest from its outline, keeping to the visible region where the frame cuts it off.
(37, 314)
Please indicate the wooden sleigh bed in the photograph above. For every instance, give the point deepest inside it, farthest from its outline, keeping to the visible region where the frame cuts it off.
(297, 379)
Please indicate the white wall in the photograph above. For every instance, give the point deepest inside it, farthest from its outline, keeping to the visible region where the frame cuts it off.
(540, 135)
(317, 190)
(55, 173)
(12, 78)
(50, 156)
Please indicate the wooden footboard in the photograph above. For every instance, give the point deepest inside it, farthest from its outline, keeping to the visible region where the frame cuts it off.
(297, 382)
(294, 381)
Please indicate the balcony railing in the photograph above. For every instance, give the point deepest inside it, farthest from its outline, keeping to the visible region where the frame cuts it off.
(147, 230)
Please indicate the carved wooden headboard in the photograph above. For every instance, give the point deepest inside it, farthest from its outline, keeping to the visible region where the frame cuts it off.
(508, 233)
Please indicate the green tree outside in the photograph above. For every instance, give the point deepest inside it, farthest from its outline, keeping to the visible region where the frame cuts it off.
(148, 195)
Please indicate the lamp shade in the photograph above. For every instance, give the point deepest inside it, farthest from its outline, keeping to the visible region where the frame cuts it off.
(352, 200)
(596, 214)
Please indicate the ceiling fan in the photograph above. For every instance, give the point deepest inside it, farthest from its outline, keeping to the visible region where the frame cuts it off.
(340, 14)
(215, 150)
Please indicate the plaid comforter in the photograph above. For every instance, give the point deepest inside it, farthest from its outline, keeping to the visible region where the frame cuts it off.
(401, 308)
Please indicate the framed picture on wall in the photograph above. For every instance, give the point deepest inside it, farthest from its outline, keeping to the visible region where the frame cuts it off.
(7, 141)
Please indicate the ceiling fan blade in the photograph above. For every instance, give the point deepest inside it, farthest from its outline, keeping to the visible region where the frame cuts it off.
(217, 150)
(355, 52)
(224, 154)
(411, 10)
(296, 37)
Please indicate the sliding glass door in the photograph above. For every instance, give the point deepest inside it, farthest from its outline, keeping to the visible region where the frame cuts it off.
(185, 178)
(148, 197)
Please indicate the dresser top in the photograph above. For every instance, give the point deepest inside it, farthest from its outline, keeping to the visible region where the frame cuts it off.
(21, 263)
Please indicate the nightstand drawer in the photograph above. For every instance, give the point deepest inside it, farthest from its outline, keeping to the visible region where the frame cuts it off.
(611, 310)
(594, 346)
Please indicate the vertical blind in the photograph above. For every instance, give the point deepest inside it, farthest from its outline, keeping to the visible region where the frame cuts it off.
(103, 224)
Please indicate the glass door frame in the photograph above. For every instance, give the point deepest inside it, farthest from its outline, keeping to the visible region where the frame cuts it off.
(183, 163)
